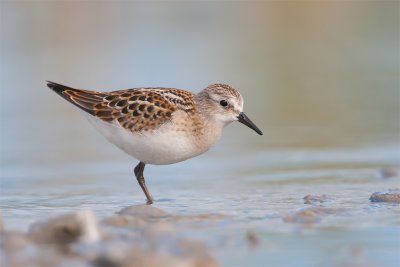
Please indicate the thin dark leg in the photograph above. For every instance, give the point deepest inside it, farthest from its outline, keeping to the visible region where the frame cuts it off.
(139, 169)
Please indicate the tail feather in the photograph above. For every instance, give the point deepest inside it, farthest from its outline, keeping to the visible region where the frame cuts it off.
(84, 99)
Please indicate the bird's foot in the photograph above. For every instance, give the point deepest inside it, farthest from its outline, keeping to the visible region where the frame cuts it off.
(149, 201)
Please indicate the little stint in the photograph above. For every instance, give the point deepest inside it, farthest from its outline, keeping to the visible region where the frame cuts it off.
(160, 125)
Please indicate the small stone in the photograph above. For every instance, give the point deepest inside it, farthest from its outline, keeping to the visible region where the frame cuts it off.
(65, 229)
(387, 173)
(391, 196)
(252, 239)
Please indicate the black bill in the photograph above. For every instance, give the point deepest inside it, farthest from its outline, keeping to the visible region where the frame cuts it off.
(246, 121)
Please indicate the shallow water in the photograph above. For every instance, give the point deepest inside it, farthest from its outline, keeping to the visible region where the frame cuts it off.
(256, 190)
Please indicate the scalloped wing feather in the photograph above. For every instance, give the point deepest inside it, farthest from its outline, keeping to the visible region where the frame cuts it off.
(136, 110)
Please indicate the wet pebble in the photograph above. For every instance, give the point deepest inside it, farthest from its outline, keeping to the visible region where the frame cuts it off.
(391, 196)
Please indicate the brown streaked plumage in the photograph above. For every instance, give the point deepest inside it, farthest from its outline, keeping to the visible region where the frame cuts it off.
(138, 109)
(160, 125)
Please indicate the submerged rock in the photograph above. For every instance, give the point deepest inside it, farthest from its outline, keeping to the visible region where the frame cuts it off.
(311, 215)
(124, 221)
(144, 212)
(391, 196)
(310, 199)
(80, 226)
(304, 216)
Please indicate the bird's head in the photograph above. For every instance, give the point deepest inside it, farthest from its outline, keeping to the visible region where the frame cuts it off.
(225, 105)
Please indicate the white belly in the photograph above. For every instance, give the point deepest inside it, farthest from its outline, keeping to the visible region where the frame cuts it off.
(160, 147)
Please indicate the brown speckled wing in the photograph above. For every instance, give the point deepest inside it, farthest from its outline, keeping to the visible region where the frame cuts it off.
(137, 110)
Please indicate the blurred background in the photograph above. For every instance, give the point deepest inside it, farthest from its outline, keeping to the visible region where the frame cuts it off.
(320, 78)
(312, 73)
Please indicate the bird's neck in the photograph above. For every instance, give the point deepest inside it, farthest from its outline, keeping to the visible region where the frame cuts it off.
(212, 128)
(205, 107)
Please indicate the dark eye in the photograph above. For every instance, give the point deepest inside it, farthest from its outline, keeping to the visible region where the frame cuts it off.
(223, 103)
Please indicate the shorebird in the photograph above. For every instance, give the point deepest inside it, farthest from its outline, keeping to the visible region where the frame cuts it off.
(159, 125)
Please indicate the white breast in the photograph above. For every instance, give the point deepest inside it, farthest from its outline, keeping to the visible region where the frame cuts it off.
(164, 146)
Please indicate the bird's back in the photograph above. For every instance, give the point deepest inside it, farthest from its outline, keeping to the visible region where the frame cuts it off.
(136, 110)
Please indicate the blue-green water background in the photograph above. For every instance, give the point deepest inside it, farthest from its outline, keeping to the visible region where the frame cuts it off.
(321, 79)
